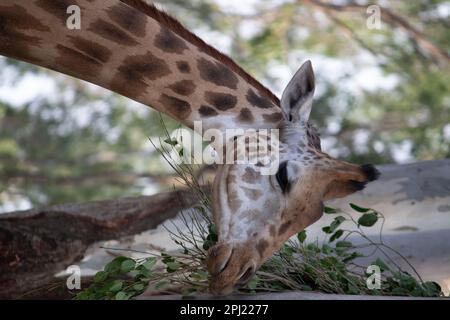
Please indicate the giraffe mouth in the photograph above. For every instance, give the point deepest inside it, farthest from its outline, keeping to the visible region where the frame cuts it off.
(230, 267)
(246, 275)
(218, 259)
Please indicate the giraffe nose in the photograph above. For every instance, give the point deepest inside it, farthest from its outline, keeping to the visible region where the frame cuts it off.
(230, 266)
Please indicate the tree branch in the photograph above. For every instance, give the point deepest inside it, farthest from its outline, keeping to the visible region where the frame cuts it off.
(392, 19)
(111, 178)
(35, 244)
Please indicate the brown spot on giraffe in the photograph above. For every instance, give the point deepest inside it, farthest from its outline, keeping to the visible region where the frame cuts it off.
(273, 117)
(91, 48)
(250, 175)
(129, 19)
(252, 194)
(232, 178)
(176, 107)
(183, 66)
(86, 65)
(57, 9)
(221, 101)
(168, 41)
(262, 246)
(111, 32)
(272, 231)
(183, 87)
(132, 76)
(234, 202)
(250, 214)
(257, 100)
(217, 73)
(14, 42)
(245, 115)
(206, 111)
(175, 26)
(284, 227)
(18, 18)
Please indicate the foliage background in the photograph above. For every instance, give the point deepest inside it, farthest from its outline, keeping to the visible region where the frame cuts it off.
(382, 96)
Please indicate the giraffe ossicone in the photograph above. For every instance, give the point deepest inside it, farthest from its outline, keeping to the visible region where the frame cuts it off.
(136, 50)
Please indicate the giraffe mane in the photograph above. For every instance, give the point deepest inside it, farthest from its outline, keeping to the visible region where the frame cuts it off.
(175, 26)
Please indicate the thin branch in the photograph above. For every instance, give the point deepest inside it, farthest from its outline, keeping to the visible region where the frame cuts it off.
(393, 19)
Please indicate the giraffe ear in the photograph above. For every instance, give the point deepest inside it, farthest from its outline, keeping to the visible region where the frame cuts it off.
(296, 100)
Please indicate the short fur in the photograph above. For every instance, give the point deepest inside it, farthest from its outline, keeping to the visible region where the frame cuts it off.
(175, 26)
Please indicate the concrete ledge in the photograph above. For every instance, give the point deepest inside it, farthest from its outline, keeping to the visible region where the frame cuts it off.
(287, 295)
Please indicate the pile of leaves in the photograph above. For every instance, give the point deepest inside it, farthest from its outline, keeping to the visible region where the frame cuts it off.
(330, 266)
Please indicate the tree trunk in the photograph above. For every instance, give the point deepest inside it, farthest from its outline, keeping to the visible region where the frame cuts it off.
(35, 244)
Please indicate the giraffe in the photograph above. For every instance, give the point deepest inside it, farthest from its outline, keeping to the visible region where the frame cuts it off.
(132, 48)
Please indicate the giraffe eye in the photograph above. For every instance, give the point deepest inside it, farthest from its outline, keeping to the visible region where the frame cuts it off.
(282, 177)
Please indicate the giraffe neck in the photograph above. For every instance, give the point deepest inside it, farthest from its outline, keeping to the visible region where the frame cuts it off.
(137, 51)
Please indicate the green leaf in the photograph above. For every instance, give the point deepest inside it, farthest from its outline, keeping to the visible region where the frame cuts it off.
(115, 285)
(138, 287)
(344, 244)
(100, 276)
(329, 210)
(166, 257)
(208, 244)
(326, 249)
(328, 262)
(408, 282)
(253, 283)
(383, 266)
(336, 235)
(199, 275)
(172, 266)
(161, 284)
(171, 142)
(312, 247)
(114, 265)
(287, 250)
(432, 289)
(301, 236)
(368, 219)
(212, 229)
(149, 263)
(121, 295)
(143, 272)
(326, 229)
(83, 295)
(352, 256)
(335, 224)
(127, 265)
(358, 208)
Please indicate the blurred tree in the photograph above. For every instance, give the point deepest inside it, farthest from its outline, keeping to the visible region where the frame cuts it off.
(382, 96)
(82, 143)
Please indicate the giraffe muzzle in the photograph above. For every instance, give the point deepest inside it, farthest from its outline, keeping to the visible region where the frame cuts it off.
(230, 266)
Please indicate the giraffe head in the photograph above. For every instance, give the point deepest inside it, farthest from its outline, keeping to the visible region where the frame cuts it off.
(256, 213)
